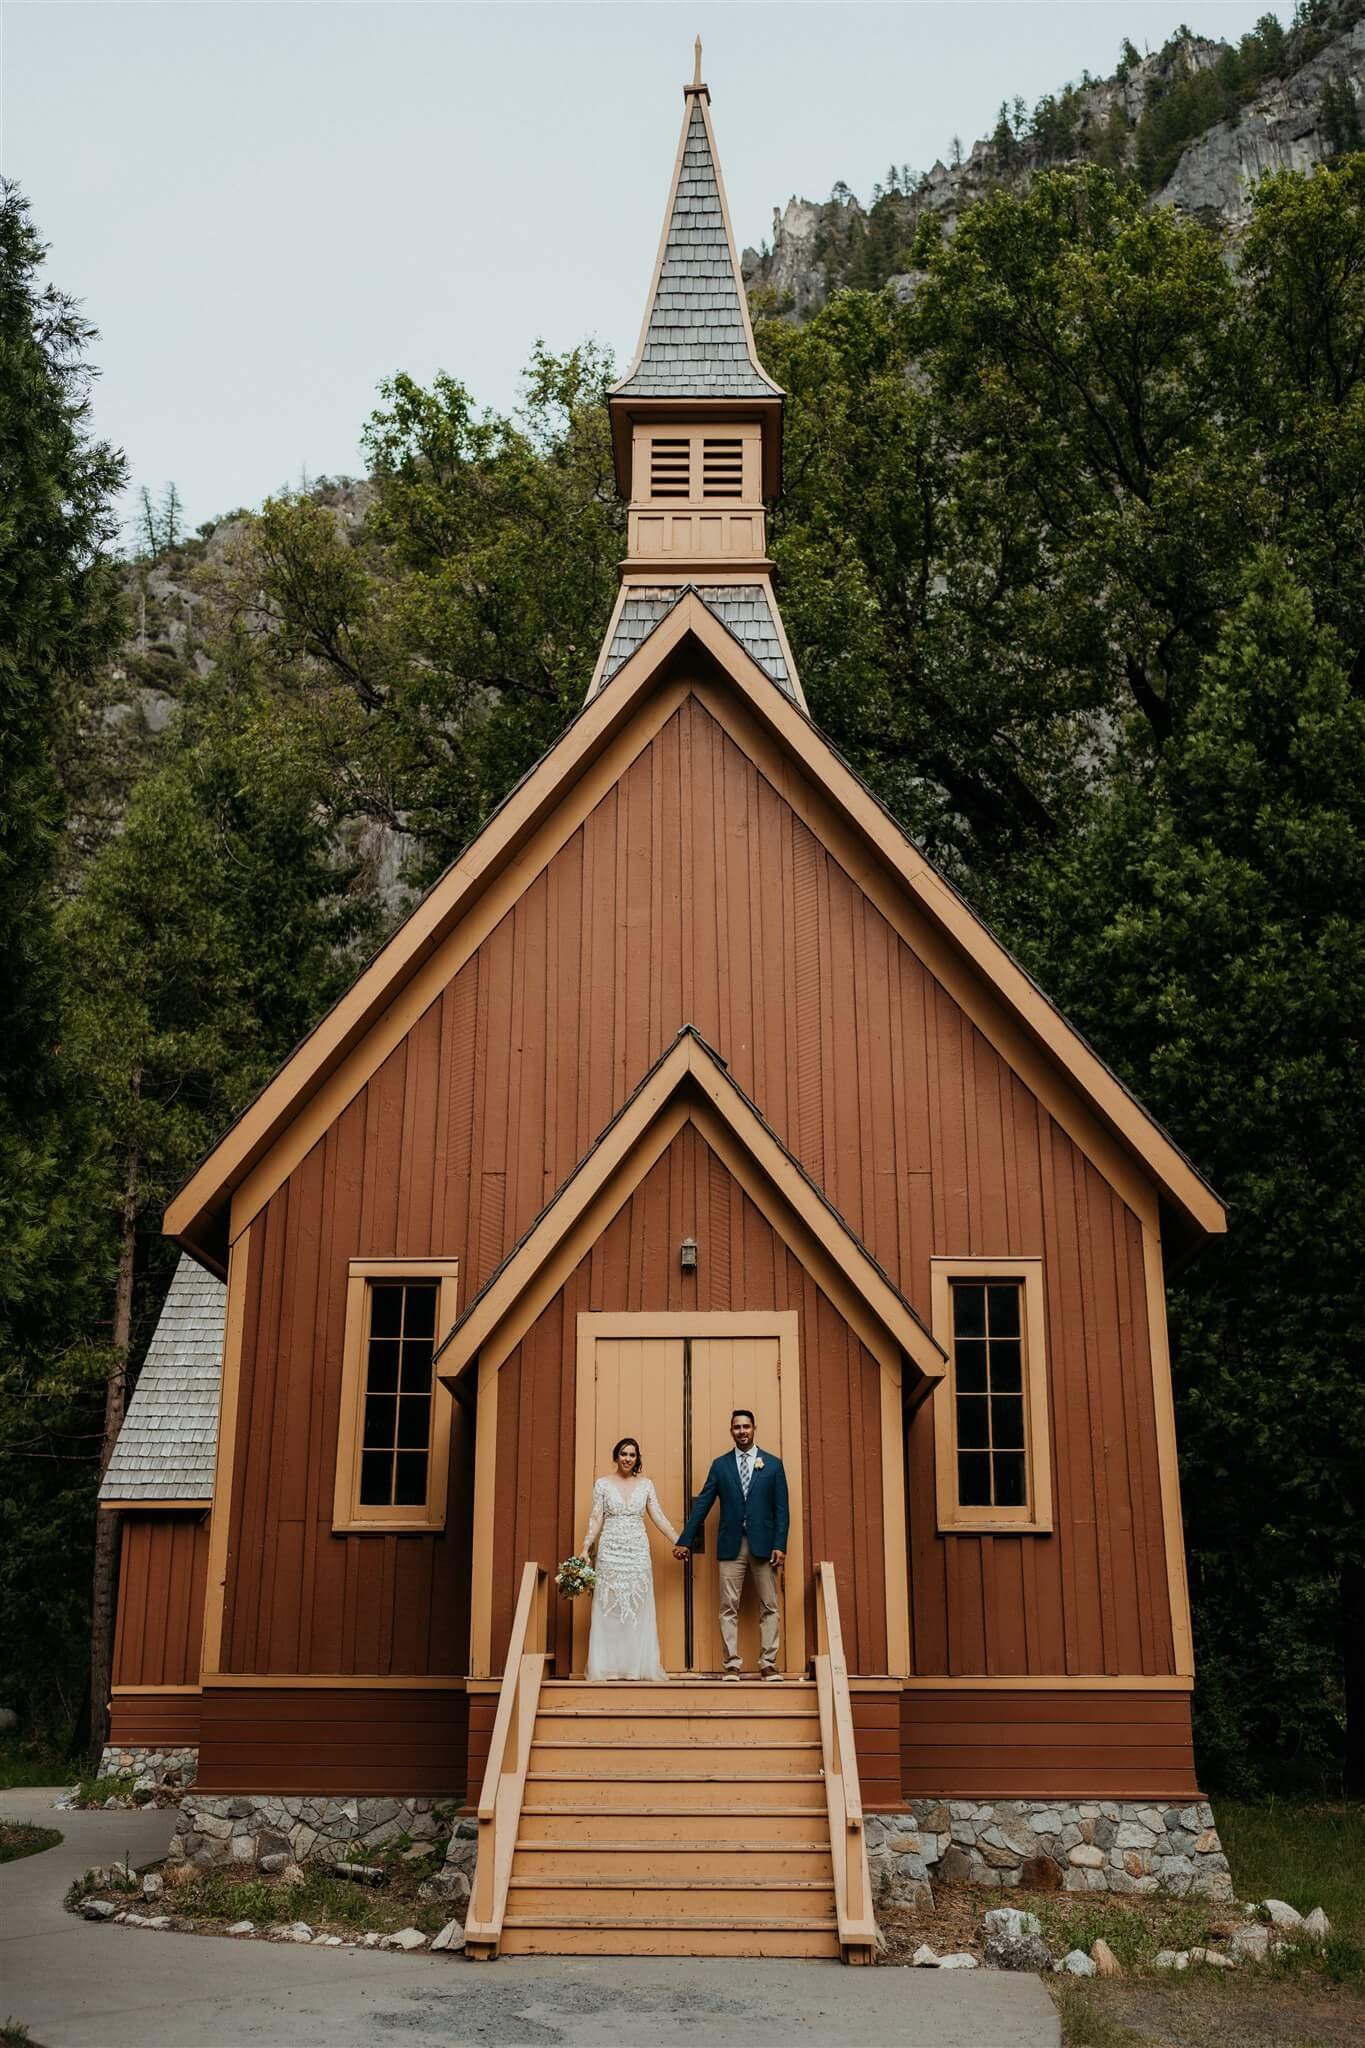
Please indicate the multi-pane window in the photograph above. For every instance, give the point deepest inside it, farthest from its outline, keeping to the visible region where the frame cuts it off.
(394, 1421)
(992, 1451)
(396, 1444)
(988, 1361)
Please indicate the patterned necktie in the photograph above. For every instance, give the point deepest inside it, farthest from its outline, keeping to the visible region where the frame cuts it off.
(744, 1473)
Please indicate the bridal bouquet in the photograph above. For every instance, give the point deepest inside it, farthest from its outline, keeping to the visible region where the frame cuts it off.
(575, 1576)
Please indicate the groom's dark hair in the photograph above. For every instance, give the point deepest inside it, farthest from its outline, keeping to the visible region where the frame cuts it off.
(744, 1411)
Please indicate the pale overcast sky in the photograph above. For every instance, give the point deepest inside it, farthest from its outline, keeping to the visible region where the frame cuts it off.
(268, 208)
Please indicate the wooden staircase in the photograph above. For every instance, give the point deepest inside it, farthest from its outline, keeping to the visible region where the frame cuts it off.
(688, 1819)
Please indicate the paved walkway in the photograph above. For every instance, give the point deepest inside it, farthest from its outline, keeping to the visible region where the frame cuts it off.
(78, 1984)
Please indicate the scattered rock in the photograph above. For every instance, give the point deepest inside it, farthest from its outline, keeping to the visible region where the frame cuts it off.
(450, 1939)
(9, 1720)
(445, 1884)
(1214, 1957)
(958, 1962)
(153, 1885)
(1251, 1943)
(924, 1958)
(1172, 1959)
(134, 1919)
(1012, 1923)
(407, 1939)
(98, 1909)
(371, 1940)
(1031, 1953)
(275, 1863)
(1316, 1925)
(1281, 1915)
(418, 1852)
(242, 1927)
(293, 1873)
(1078, 1964)
(159, 1920)
(112, 1803)
(1104, 1959)
(359, 1873)
(297, 1930)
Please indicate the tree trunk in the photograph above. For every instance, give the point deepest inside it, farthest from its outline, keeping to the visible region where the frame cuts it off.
(1353, 1662)
(107, 1523)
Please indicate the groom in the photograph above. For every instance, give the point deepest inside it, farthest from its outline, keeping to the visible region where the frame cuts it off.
(752, 1490)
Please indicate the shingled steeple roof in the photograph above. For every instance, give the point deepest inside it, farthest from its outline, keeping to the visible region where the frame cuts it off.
(696, 341)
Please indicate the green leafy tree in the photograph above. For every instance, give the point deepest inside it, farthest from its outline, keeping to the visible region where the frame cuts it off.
(210, 934)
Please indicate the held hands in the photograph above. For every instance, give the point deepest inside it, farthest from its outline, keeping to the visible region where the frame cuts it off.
(681, 1552)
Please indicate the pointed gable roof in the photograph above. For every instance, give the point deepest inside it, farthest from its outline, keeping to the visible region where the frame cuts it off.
(294, 1108)
(689, 1083)
(696, 341)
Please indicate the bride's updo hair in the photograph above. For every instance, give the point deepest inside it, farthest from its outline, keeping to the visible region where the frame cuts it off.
(633, 1442)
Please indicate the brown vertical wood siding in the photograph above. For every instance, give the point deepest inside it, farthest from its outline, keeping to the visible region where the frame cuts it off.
(741, 1264)
(694, 894)
(1016, 1745)
(159, 1633)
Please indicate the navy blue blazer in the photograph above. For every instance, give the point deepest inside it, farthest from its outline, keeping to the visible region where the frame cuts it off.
(764, 1518)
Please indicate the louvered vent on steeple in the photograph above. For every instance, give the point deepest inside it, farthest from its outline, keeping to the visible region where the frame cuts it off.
(670, 463)
(722, 466)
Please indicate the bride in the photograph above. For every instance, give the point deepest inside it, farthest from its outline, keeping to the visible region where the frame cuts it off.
(624, 1639)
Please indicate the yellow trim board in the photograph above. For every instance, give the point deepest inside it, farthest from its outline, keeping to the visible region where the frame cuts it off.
(348, 1516)
(1035, 1519)
(215, 1586)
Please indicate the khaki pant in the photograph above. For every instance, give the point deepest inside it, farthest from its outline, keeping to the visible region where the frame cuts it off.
(731, 1572)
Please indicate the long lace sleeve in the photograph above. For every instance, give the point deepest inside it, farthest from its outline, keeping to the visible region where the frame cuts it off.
(594, 1522)
(657, 1515)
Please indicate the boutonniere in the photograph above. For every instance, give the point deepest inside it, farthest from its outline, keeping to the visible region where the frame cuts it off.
(758, 1464)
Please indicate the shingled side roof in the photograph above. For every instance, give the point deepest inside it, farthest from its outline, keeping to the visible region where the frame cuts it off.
(744, 609)
(169, 1439)
(697, 341)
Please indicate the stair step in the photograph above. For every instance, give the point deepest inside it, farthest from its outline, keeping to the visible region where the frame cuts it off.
(804, 1938)
(716, 1922)
(695, 1902)
(661, 1826)
(654, 1764)
(580, 1791)
(725, 1862)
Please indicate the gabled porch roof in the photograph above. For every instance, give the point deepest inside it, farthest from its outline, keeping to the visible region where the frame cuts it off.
(688, 1084)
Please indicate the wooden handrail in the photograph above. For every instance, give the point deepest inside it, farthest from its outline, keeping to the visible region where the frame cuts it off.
(847, 1839)
(509, 1752)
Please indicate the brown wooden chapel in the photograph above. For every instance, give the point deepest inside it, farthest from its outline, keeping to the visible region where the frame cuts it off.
(691, 1083)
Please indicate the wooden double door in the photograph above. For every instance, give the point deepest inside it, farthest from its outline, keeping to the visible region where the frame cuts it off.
(672, 1381)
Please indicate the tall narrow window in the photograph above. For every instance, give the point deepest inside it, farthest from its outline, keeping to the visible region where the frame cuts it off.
(988, 1355)
(992, 1455)
(396, 1444)
(394, 1437)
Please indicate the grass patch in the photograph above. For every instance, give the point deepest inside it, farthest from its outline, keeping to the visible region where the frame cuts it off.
(21, 1838)
(330, 1905)
(14, 2034)
(27, 1762)
(1308, 1853)
(1135, 1932)
(118, 1785)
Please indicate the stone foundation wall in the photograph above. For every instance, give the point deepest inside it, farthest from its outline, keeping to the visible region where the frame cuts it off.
(1094, 1845)
(243, 1831)
(150, 1768)
(895, 1861)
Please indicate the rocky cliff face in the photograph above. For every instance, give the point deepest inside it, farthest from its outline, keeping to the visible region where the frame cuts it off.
(1282, 129)
(1282, 126)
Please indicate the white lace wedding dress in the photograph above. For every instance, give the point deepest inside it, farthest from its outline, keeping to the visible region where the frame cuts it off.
(624, 1639)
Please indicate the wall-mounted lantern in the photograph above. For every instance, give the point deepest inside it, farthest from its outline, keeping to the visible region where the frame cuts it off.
(687, 1255)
